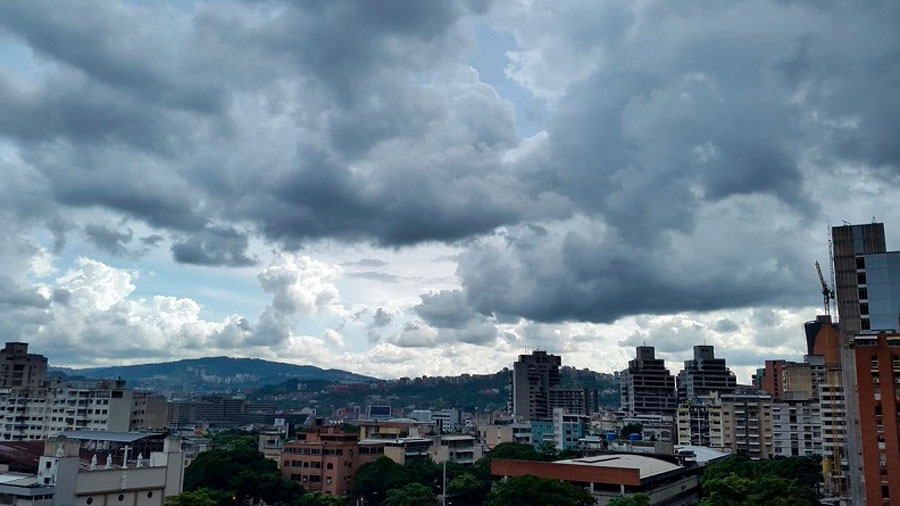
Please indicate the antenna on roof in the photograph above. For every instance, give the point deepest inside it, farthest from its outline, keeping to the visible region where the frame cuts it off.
(845, 222)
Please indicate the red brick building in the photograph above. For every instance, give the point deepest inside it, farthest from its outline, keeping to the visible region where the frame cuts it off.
(326, 459)
(878, 381)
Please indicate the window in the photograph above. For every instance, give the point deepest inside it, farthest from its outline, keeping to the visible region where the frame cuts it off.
(860, 262)
(864, 308)
(329, 466)
(861, 278)
(863, 293)
(90, 500)
(149, 494)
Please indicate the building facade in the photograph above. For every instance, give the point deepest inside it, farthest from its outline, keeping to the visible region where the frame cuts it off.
(326, 459)
(878, 386)
(646, 386)
(704, 374)
(533, 376)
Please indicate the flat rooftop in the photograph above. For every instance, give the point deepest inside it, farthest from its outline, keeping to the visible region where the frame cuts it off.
(646, 466)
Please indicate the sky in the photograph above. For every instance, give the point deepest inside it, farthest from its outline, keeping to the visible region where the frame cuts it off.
(400, 188)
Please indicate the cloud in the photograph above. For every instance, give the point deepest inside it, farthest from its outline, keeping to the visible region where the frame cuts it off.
(214, 246)
(300, 286)
(111, 241)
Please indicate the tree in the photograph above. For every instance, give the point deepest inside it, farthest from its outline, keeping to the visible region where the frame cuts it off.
(466, 490)
(202, 497)
(635, 500)
(534, 491)
(516, 451)
(241, 472)
(632, 428)
(320, 499)
(413, 494)
(739, 481)
(374, 479)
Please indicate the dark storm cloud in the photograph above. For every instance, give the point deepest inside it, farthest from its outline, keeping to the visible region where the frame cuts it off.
(355, 121)
(14, 296)
(111, 241)
(215, 246)
(446, 309)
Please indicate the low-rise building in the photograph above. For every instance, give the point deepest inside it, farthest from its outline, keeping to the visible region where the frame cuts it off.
(64, 477)
(610, 476)
(326, 459)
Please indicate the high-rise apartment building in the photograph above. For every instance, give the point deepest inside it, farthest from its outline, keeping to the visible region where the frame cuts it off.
(38, 413)
(738, 422)
(856, 247)
(532, 378)
(796, 426)
(646, 386)
(34, 407)
(20, 369)
(704, 375)
(877, 358)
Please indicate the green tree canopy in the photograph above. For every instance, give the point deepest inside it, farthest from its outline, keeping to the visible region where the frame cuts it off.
(739, 481)
(635, 500)
(516, 451)
(467, 490)
(241, 472)
(201, 497)
(412, 494)
(320, 499)
(534, 491)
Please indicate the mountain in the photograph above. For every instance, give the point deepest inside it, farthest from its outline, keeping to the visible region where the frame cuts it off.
(468, 391)
(212, 374)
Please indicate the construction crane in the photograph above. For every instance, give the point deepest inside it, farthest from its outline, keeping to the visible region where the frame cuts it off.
(827, 293)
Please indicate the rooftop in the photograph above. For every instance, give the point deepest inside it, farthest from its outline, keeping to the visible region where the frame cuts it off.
(102, 435)
(647, 466)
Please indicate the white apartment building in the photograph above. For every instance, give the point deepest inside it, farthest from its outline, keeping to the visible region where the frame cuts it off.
(38, 413)
(33, 407)
(796, 427)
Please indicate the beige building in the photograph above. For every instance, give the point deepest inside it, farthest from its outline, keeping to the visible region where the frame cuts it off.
(149, 412)
(739, 423)
(20, 369)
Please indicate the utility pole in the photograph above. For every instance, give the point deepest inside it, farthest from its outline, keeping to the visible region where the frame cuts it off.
(444, 487)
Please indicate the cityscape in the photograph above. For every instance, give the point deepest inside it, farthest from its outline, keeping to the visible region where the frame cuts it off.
(449, 253)
(65, 437)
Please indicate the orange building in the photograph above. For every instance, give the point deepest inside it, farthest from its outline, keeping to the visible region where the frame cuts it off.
(878, 380)
(326, 459)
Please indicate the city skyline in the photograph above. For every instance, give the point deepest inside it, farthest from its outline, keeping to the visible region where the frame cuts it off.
(424, 189)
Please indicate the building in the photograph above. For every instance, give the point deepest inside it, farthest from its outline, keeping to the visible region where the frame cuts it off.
(746, 424)
(568, 429)
(796, 426)
(646, 386)
(533, 377)
(656, 427)
(693, 420)
(878, 385)
(326, 459)
(610, 476)
(38, 412)
(579, 401)
(20, 369)
(64, 478)
(738, 423)
(150, 412)
(457, 448)
(395, 428)
(704, 375)
(854, 247)
(492, 433)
